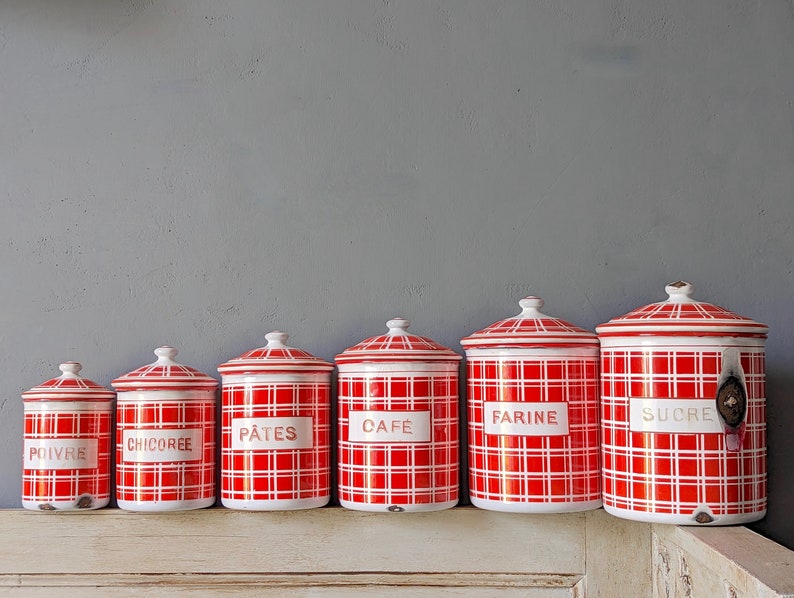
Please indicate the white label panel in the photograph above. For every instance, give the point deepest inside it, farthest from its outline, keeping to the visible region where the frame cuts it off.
(162, 446)
(267, 433)
(389, 426)
(511, 418)
(687, 416)
(61, 453)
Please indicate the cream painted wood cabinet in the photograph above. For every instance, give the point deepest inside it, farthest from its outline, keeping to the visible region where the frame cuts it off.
(335, 552)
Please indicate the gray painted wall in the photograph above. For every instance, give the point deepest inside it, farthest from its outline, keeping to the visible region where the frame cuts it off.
(198, 173)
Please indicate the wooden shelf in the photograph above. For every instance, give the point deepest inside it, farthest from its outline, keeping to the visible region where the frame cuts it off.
(337, 552)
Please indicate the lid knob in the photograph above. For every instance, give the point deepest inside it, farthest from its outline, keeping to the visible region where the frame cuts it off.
(530, 307)
(70, 369)
(398, 325)
(276, 339)
(165, 354)
(680, 292)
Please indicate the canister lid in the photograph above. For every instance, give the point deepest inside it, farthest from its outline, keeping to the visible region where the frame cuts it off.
(69, 386)
(531, 328)
(681, 315)
(165, 374)
(274, 357)
(397, 345)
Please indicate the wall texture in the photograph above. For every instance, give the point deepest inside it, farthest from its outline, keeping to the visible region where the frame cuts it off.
(198, 173)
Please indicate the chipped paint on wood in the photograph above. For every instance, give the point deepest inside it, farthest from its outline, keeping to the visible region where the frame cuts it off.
(729, 562)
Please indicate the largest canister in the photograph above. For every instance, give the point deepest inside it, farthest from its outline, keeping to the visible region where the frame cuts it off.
(683, 413)
(398, 423)
(533, 414)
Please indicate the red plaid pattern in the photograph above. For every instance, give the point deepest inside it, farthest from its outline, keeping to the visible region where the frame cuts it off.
(275, 474)
(535, 470)
(50, 485)
(163, 481)
(400, 473)
(686, 312)
(676, 473)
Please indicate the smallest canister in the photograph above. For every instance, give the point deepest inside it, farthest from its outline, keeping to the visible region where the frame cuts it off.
(66, 461)
(533, 414)
(275, 429)
(165, 436)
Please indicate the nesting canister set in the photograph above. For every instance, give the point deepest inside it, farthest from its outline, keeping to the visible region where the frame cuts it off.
(659, 416)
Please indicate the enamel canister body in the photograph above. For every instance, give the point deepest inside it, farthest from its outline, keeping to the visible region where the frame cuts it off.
(165, 436)
(533, 424)
(275, 429)
(398, 423)
(683, 413)
(67, 443)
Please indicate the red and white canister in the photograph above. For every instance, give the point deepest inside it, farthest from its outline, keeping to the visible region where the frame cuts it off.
(533, 414)
(275, 429)
(683, 413)
(398, 423)
(66, 460)
(165, 436)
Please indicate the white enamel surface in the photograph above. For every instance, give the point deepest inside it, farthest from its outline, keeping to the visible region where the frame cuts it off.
(404, 368)
(691, 328)
(161, 384)
(398, 326)
(680, 292)
(536, 354)
(272, 433)
(397, 508)
(675, 519)
(663, 342)
(546, 340)
(61, 454)
(276, 339)
(525, 418)
(265, 379)
(388, 427)
(70, 369)
(679, 415)
(535, 507)
(170, 396)
(275, 505)
(147, 445)
(102, 406)
(264, 367)
(530, 307)
(165, 355)
(165, 505)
